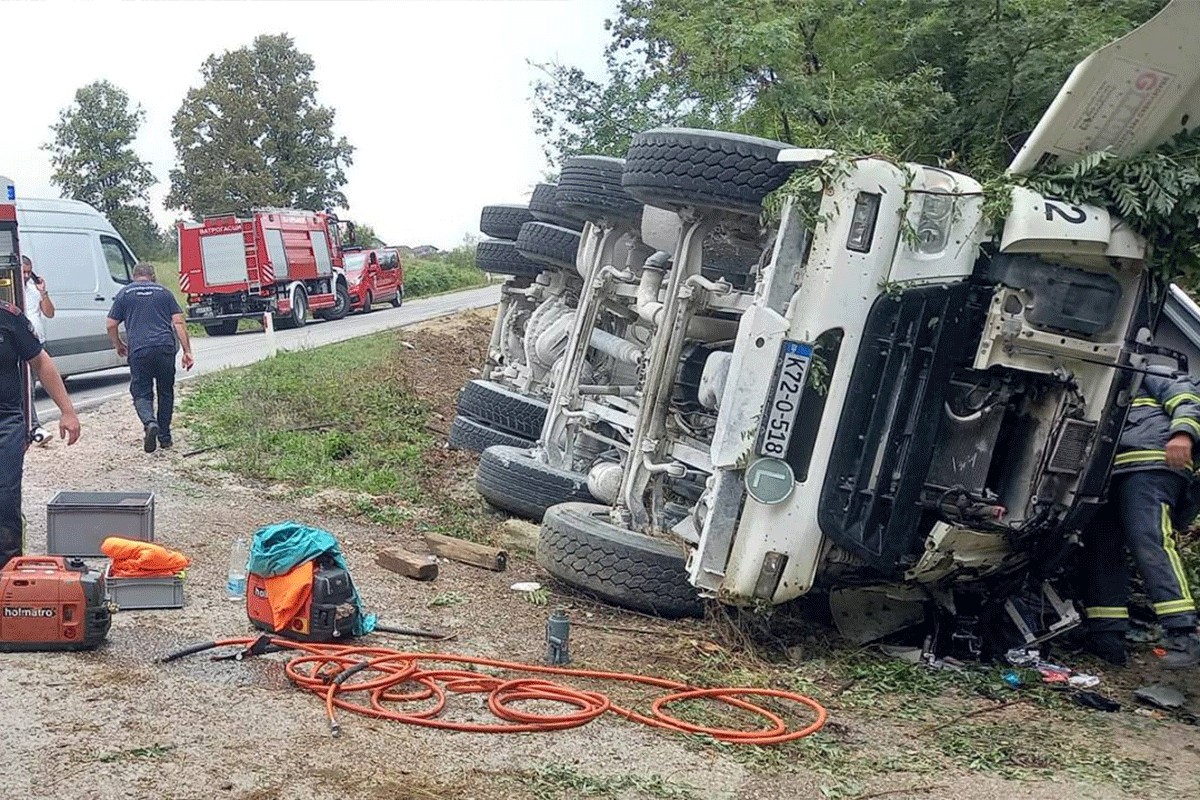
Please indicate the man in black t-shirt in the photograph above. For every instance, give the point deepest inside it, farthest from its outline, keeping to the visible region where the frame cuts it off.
(153, 321)
(19, 345)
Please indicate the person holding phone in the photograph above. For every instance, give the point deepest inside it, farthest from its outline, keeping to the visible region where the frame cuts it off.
(38, 305)
(38, 308)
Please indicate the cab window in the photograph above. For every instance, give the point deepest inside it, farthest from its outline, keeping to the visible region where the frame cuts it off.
(120, 261)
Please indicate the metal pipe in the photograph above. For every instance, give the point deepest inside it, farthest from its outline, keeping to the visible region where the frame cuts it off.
(616, 347)
(608, 270)
(614, 443)
(647, 305)
(721, 286)
(623, 390)
(587, 416)
(672, 468)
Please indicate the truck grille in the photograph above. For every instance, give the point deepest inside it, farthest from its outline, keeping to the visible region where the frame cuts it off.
(1071, 448)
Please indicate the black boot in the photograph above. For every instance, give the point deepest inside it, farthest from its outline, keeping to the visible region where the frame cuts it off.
(1183, 649)
(150, 442)
(1108, 646)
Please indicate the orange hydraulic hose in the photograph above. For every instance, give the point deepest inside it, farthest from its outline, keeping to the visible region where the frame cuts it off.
(392, 677)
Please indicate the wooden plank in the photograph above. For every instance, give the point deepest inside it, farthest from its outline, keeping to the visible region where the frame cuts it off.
(477, 555)
(418, 566)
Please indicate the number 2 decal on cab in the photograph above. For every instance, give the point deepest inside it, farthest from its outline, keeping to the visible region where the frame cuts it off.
(1072, 214)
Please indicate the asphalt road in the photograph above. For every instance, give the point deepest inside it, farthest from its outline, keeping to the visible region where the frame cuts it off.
(222, 352)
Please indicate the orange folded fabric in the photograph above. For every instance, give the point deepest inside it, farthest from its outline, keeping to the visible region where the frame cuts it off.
(288, 593)
(133, 558)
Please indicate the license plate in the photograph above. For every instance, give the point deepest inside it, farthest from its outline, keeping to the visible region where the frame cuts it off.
(780, 413)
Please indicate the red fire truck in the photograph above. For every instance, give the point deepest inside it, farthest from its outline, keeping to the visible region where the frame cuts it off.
(279, 261)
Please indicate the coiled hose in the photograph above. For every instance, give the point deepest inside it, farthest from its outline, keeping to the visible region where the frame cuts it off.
(379, 682)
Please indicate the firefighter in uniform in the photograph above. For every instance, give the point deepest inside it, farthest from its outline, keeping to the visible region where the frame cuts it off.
(19, 345)
(1151, 473)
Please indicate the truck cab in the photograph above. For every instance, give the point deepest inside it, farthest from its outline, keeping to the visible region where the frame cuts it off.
(929, 406)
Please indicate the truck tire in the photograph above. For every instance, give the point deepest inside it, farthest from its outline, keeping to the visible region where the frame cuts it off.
(468, 434)
(398, 298)
(298, 317)
(226, 327)
(589, 188)
(548, 244)
(502, 408)
(341, 306)
(543, 207)
(581, 548)
(504, 222)
(676, 167)
(501, 257)
(512, 480)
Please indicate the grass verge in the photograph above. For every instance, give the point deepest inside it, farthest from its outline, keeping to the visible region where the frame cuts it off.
(360, 422)
(338, 417)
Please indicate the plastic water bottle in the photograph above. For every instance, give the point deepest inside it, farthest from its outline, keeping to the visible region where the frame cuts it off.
(235, 586)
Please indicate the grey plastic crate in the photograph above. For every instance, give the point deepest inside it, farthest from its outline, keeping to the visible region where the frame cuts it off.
(133, 594)
(77, 522)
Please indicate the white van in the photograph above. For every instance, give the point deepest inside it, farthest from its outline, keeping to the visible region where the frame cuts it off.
(84, 262)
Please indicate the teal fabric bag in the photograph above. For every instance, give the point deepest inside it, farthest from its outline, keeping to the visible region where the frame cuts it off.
(278, 549)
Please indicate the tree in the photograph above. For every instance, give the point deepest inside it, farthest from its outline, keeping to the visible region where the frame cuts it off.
(575, 114)
(365, 236)
(93, 159)
(253, 135)
(929, 80)
(143, 235)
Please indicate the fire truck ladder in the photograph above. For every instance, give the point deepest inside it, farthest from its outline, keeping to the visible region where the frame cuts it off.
(254, 266)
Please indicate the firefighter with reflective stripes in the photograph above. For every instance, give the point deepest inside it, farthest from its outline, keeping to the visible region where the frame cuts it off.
(1151, 473)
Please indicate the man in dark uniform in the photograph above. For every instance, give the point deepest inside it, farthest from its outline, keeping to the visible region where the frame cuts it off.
(19, 345)
(1150, 477)
(153, 322)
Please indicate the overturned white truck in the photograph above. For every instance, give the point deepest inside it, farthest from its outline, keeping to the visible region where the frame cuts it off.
(912, 412)
(535, 245)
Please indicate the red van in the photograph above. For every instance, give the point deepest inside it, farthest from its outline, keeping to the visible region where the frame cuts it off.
(375, 276)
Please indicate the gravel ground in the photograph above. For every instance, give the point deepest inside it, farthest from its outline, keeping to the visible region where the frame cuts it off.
(115, 724)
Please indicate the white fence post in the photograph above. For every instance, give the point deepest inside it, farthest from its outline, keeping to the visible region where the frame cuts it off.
(269, 330)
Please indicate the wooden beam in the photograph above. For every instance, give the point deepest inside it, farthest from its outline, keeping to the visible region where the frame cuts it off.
(477, 555)
(418, 566)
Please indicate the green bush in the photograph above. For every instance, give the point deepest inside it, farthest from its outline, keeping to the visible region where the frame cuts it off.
(426, 276)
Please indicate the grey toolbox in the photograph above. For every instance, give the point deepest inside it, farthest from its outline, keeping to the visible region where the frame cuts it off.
(132, 594)
(77, 522)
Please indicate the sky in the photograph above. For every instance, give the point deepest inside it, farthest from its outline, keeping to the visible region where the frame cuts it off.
(435, 96)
